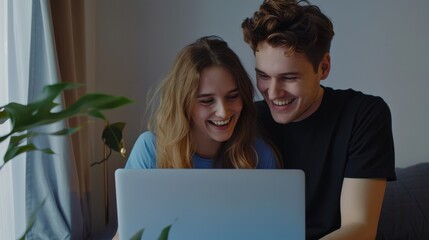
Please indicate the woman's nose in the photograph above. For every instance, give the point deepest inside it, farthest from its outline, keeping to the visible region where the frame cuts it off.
(221, 109)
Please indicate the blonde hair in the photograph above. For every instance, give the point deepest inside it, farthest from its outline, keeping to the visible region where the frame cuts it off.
(177, 92)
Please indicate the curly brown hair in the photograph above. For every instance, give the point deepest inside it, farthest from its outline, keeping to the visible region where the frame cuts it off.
(296, 25)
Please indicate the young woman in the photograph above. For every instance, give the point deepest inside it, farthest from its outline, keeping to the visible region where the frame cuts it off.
(205, 117)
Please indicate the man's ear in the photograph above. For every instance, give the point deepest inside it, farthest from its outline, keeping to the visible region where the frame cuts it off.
(325, 66)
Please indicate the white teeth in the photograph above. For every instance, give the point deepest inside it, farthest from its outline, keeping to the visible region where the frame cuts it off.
(282, 102)
(221, 123)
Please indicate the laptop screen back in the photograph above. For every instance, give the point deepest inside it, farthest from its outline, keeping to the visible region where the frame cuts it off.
(211, 203)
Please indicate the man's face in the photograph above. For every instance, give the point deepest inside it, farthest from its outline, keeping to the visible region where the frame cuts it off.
(289, 83)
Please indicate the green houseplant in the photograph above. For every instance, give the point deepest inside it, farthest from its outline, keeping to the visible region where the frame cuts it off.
(23, 119)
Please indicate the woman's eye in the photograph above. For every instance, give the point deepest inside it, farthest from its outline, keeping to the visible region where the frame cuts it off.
(206, 101)
(233, 96)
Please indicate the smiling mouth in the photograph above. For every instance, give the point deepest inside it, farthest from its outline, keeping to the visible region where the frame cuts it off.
(220, 123)
(282, 102)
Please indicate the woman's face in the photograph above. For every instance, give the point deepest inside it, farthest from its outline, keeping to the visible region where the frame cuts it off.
(217, 107)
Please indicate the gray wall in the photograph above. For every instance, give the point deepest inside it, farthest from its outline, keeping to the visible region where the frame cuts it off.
(379, 48)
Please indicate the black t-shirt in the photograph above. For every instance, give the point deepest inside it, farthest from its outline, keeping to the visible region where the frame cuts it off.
(350, 135)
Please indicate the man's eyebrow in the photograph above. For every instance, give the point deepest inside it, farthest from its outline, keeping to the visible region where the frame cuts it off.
(259, 71)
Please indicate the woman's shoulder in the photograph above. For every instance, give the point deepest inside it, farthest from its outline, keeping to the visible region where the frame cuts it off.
(266, 155)
(146, 138)
(147, 135)
(262, 147)
(143, 154)
(261, 143)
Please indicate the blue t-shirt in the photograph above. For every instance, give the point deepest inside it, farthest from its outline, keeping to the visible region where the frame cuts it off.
(143, 154)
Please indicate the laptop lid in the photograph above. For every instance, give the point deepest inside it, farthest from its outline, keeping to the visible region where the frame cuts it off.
(211, 203)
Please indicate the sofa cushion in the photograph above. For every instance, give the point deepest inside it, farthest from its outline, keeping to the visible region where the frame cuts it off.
(405, 210)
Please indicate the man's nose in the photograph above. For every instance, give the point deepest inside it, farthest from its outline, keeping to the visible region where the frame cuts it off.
(273, 89)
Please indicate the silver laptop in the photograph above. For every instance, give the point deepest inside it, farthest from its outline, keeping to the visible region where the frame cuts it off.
(211, 203)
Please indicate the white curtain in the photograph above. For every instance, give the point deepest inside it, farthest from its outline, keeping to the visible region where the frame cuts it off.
(29, 62)
(15, 29)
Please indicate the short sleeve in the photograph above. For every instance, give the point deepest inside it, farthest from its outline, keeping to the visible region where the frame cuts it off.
(371, 150)
(143, 154)
(266, 156)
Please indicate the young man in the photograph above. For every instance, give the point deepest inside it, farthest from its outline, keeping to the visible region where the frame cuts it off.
(342, 139)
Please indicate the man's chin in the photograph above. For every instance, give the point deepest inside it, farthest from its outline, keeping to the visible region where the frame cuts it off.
(281, 118)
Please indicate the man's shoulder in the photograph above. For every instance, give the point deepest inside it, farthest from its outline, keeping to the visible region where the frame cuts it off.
(356, 106)
(346, 93)
(352, 98)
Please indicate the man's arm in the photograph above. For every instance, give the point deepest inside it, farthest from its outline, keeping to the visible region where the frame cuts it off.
(116, 237)
(361, 201)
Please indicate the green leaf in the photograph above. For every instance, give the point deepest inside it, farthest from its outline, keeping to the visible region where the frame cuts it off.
(138, 235)
(98, 101)
(46, 150)
(15, 151)
(119, 125)
(97, 114)
(17, 138)
(65, 131)
(112, 136)
(3, 116)
(50, 92)
(164, 233)
(24, 117)
(41, 112)
(44, 110)
(20, 115)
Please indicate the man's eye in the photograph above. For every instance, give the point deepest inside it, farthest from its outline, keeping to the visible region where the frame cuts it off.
(262, 77)
(289, 78)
